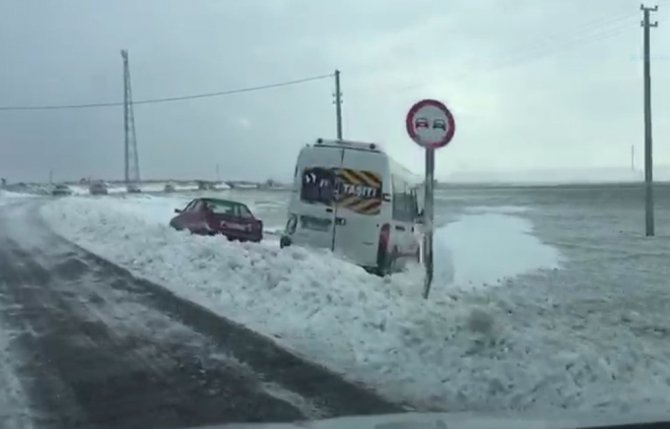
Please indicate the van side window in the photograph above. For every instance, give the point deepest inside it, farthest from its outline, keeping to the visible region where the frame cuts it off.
(404, 206)
(415, 204)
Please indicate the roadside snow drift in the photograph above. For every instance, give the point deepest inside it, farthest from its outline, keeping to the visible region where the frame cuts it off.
(459, 350)
(7, 197)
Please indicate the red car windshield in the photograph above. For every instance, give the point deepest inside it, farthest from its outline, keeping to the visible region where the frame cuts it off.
(229, 208)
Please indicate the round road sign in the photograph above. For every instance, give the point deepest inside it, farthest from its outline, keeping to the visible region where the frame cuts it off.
(430, 124)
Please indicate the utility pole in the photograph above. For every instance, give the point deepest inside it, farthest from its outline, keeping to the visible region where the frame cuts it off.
(338, 104)
(428, 221)
(132, 165)
(126, 175)
(648, 158)
(632, 158)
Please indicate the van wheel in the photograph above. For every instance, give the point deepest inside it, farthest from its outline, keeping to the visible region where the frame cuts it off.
(284, 242)
(383, 266)
(394, 260)
(388, 263)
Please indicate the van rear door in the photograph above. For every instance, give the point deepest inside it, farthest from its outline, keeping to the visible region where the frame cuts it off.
(360, 206)
(317, 174)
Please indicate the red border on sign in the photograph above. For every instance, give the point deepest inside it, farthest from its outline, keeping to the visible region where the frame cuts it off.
(409, 123)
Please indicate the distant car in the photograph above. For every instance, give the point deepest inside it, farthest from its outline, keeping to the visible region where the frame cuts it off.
(133, 188)
(212, 216)
(98, 188)
(169, 188)
(439, 123)
(61, 190)
(421, 123)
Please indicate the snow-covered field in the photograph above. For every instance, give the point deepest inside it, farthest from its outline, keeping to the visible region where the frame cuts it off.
(523, 314)
(7, 197)
(145, 187)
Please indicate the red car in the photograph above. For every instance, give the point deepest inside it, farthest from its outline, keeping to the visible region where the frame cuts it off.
(211, 216)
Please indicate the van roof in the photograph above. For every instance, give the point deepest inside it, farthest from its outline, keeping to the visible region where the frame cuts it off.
(350, 144)
(396, 167)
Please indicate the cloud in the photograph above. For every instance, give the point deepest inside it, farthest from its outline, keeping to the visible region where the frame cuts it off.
(539, 85)
(242, 122)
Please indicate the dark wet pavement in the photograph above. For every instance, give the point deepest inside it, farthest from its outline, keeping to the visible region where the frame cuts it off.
(94, 347)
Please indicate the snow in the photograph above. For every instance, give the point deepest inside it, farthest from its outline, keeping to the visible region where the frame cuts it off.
(454, 351)
(14, 411)
(153, 187)
(84, 189)
(178, 187)
(466, 420)
(556, 176)
(151, 210)
(497, 209)
(7, 197)
(511, 324)
(79, 190)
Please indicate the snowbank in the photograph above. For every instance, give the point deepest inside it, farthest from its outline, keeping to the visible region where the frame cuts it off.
(79, 190)
(116, 188)
(84, 189)
(178, 187)
(7, 197)
(454, 351)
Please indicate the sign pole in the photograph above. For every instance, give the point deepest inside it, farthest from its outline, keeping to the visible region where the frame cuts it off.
(431, 125)
(428, 220)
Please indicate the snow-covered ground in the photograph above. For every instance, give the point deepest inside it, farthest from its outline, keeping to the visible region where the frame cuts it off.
(154, 187)
(7, 197)
(83, 189)
(13, 410)
(14, 413)
(377, 331)
(575, 320)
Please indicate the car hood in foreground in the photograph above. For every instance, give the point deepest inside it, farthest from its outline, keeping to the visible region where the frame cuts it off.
(465, 421)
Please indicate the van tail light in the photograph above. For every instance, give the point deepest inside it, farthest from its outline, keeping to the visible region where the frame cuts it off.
(384, 236)
(382, 250)
(291, 224)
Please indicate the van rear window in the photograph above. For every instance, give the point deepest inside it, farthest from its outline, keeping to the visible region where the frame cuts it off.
(356, 190)
(318, 185)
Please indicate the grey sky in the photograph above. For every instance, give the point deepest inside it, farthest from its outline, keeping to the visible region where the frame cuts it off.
(533, 84)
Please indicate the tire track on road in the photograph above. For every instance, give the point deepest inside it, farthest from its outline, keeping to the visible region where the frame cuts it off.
(83, 372)
(320, 387)
(104, 349)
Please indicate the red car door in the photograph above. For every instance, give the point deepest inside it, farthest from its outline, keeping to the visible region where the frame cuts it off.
(193, 218)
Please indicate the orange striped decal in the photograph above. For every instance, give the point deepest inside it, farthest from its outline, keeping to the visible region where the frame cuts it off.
(359, 191)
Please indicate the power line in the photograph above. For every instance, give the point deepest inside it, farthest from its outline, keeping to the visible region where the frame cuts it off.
(547, 44)
(539, 52)
(170, 99)
(589, 32)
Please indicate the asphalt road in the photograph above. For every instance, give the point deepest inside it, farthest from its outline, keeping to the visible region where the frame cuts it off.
(93, 347)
